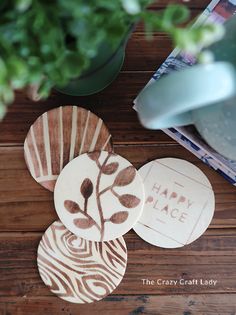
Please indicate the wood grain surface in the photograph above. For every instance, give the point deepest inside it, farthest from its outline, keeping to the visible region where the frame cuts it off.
(27, 209)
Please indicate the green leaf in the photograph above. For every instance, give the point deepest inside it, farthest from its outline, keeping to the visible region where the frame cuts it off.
(23, 5)
(131, 6)
(7, 95)
(175, 14)
(3, 70)
(18, 72)
(3, 110)
(45, 88)
(73, 63)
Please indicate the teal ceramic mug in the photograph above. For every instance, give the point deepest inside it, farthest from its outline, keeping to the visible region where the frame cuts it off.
(204, 95)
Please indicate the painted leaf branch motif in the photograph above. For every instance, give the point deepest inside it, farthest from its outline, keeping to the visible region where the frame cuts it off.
(123, 178)
(83, 223)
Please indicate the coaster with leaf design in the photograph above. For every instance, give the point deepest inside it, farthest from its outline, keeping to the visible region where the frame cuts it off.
(99, 196)
(77, 270)
(58, 136)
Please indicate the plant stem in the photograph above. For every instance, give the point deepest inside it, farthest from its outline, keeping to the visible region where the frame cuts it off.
(105, 190)
(85, 205)
(99, 195)
(98, 164)
(115, 193)
(90, 218)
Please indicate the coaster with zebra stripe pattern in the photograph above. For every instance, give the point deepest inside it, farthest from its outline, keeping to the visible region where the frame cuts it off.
(60, 135)
(77, 270)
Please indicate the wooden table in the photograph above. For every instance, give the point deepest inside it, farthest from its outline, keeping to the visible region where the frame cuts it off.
(26, 209)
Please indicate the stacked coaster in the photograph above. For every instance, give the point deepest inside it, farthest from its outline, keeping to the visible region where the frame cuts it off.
(99, 196)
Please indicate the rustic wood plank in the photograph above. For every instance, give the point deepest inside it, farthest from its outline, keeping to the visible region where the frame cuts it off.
(194, 4)
(207, 304)
(194, 13)
(26, 206)
(146, 54)
(214, 244)
(114, 106)
(19, 275)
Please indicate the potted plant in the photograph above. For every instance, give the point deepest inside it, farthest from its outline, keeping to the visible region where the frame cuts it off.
(78, 46)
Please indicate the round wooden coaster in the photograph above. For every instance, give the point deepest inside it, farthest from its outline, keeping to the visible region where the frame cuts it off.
(77, 270)
(99, 196)
(58, 136)
(179, 204)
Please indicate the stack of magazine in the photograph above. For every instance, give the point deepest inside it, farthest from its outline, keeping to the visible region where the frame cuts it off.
(217, 11)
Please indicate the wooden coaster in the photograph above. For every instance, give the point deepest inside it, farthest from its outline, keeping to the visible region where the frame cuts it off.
(179, 204)
(77, 270)
(99, 196)
(58, 136)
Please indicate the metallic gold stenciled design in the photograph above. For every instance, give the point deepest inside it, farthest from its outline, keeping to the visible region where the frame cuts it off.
(77, 270)
(179, 203)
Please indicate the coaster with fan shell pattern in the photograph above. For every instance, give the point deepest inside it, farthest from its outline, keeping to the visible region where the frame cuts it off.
(60, 135)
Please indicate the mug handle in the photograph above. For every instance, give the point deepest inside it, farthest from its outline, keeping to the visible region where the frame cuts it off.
(169, 101)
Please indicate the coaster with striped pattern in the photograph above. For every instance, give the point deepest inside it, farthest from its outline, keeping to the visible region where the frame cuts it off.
(77, 270)
(60, 135)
